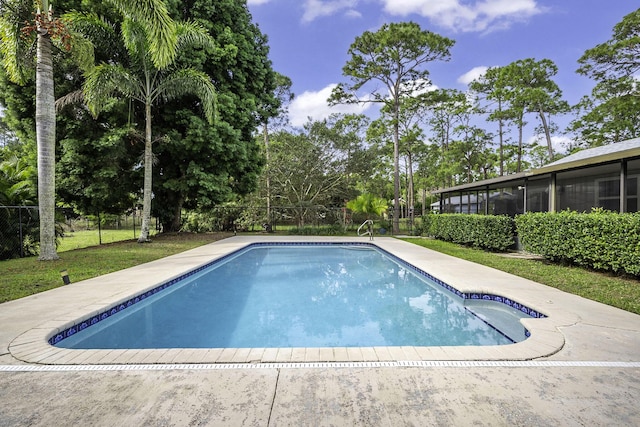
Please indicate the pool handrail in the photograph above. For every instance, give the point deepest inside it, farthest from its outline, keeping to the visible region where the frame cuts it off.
(368, 231)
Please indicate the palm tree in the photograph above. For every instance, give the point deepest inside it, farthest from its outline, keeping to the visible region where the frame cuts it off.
(42, 25)
(16, 182)
(368, 204)
(13, 15)
(149, 83)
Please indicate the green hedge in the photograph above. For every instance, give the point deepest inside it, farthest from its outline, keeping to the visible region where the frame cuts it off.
(601, 240)
(323, 230)
(495, 233)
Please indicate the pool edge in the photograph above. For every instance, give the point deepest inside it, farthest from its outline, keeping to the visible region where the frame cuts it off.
(546, 339)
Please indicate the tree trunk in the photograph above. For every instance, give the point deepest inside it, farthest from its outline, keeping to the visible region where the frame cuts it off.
(501, 137)
(547, 133)
(46, 142)
(148, 177)
(176, 221)
(410, 195)
(267, 171)
(396, 168)
(519, 164)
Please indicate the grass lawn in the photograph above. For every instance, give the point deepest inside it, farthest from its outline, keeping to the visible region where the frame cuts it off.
(617, 291)
(27, 276)
(86, 238)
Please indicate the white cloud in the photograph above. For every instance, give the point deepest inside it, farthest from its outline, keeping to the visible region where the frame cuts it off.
(257, 2)
(417, 87)
(315, 105)
(352, 13)
(472, 74)
(466, 15)
(318, 8)
(559, 143)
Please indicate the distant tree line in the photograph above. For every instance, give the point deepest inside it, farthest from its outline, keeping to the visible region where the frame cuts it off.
(427, 138)
(219, 132)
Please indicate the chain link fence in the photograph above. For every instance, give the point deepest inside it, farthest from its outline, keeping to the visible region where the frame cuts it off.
(255, 218)
(83, 231)
(309, 220)
(20, 230)
(19, 225)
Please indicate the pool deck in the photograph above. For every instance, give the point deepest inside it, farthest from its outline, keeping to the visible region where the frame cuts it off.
(581, 365)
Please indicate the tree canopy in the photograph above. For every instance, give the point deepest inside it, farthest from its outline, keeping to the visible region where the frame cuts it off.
(197, 164)
(617, 57)
(612, 112)
(425, 137)
(396, 55)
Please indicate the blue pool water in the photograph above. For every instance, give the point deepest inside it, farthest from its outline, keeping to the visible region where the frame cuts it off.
(303, 296)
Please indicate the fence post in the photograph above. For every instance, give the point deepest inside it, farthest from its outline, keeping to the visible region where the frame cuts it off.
(99, 230)
(20, 231)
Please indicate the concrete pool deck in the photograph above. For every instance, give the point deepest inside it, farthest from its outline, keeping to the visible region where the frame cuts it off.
(580, 366)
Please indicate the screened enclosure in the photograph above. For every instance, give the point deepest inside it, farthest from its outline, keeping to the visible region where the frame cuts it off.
(605, 177)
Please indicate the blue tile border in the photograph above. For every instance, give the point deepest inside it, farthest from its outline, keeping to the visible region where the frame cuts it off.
(136, 299)
(72, 330)
(468, 295)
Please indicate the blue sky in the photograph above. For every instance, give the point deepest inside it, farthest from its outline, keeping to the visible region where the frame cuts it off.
(309, 39)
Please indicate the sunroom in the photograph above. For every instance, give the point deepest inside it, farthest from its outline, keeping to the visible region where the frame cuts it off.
(605, 177)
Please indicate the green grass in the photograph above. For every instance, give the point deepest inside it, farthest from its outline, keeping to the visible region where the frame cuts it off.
(617, 291)
(86, 238)
(26, 276)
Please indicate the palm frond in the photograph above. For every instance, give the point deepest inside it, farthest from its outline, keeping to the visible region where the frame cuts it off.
(134, 36)
(189, 81)
(95, 30)
(14, 45)
(82, 51)
(162, 35)
(75, 97)
(9, 51)
(105, 81)
(193, 34)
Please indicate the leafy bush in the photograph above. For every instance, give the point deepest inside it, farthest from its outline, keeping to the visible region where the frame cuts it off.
(220, 218)
(19, 232)
(331, 230)
(421, 226)
(601, 240)
(198, 222)
(495, 233)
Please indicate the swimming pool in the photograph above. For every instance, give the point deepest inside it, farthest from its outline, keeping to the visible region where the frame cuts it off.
(394, 305)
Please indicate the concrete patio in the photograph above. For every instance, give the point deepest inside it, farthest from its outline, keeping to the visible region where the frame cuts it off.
(581, 365)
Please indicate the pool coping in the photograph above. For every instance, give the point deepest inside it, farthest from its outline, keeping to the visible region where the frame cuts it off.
(85, 299)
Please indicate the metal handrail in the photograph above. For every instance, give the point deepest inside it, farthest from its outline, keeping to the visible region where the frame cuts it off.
(368, 231)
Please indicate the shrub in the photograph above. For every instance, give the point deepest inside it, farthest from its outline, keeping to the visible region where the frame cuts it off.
(330, 230)
(221, 218)
(495, 233)
(600, 240)
(20, 232)
(421, 225)
(199, 222)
